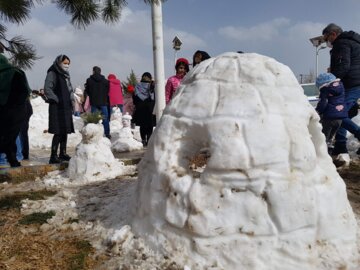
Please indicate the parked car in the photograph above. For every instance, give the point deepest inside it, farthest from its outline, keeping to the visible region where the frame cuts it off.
(312, 92)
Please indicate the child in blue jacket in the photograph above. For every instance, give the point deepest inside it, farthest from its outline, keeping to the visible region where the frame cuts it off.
(331, 106)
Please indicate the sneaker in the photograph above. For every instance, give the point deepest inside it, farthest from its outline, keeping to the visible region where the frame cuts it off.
(342, 160)
(339, 150)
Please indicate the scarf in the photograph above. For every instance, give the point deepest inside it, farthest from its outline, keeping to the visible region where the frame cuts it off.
(142, 90)
(57, 66)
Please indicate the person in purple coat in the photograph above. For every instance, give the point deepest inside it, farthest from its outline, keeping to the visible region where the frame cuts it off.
(331, 106)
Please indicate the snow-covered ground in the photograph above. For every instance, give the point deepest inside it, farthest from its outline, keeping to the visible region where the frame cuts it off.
(268, 199)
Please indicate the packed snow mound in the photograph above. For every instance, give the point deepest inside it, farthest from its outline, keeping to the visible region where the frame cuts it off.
(268, 196)
(124, 141)
(93, 159)
(39, 138)
(124, 138)
(116, 120)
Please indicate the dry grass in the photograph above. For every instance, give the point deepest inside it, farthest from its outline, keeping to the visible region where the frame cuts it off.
(25, 247)
(14, 200)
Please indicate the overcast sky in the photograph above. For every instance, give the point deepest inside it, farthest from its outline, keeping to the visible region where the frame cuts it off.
(278, 28)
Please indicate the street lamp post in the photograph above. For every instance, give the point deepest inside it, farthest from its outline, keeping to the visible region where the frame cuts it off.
(316, 42)
(176, 46)
(318, 48)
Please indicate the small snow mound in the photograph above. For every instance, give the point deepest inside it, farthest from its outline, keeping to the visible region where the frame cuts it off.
(124, 139)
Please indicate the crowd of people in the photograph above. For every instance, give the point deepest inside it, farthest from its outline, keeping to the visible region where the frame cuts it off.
(338, 100)
(100, 95)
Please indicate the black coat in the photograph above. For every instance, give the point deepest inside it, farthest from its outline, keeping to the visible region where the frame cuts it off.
(345, 59)
(12, 116)
(60, 108)
(97, 88)
(143, 111)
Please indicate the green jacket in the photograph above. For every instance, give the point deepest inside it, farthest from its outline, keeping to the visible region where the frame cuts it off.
(7, 74)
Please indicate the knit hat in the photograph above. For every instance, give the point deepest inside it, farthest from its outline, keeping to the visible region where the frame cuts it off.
(323, 79)
(182, 61)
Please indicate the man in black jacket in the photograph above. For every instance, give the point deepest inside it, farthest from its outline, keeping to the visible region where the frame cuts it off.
(97, 88)
(345, 64)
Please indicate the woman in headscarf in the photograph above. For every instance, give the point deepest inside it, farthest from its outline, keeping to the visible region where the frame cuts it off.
(59, 93)
(144, 105)
(200, 56)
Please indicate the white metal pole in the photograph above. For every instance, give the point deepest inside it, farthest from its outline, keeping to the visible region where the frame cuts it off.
(158, 57)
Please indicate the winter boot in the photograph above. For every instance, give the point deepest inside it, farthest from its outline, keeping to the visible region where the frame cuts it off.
(339, 148)
(63, 156)
(54, 159)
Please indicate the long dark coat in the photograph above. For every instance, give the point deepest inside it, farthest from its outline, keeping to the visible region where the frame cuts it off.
(59, 97)
(144, 104)
(14, 90)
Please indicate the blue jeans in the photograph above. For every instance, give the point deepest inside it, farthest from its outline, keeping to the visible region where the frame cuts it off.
(104, 111)
(351, 97)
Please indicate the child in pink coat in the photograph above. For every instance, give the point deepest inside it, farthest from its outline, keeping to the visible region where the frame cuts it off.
(181, 67)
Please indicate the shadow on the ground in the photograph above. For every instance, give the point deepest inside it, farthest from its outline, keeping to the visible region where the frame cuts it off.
(110, 202)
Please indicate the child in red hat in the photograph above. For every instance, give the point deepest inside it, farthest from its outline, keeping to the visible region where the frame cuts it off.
(181, 67)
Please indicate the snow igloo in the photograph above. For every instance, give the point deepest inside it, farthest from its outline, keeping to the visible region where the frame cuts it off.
(268, 197)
